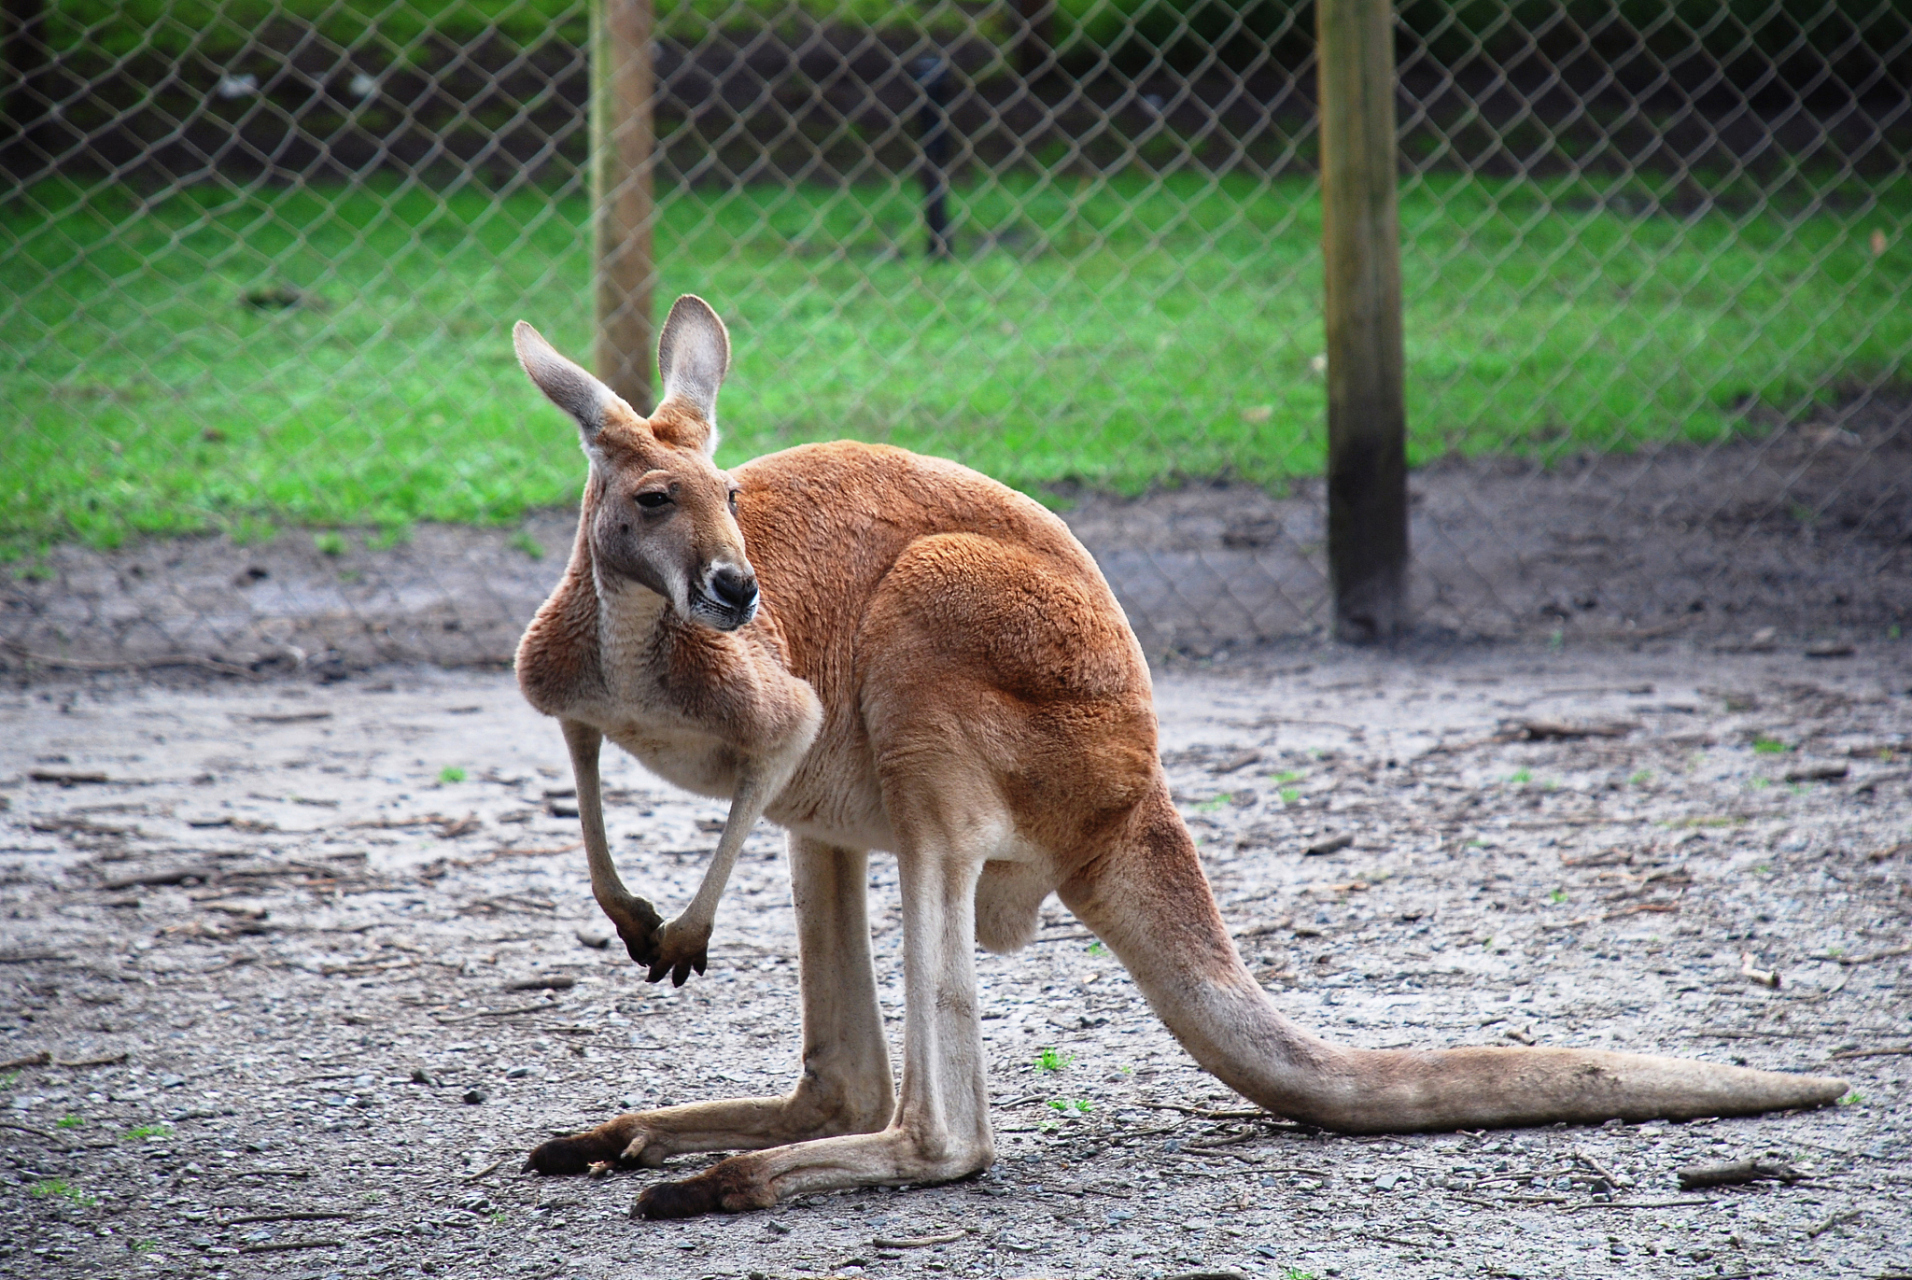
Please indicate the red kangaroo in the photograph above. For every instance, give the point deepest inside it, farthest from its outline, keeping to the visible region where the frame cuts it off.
(881, 651)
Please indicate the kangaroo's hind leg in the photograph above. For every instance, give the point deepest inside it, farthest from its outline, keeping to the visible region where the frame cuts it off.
(845, 1086)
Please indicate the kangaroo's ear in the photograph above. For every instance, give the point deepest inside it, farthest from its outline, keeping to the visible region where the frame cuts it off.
(567, 385)
(693, 355)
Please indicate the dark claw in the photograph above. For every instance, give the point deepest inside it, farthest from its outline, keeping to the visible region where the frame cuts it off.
(681, 972)
(642, 946)
(703, 958)
(658, 970)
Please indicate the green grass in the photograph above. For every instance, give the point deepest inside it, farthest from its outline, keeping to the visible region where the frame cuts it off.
(1119, 334)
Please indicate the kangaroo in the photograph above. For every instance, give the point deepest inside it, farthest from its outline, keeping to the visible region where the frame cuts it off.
(882, 651)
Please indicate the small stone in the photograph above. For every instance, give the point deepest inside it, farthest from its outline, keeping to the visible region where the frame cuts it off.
(1386, 1181)
(422, 1076)
(597, 939)
(517, 1073)
(475, 1096)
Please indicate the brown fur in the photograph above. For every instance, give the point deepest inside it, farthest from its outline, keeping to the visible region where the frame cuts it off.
(938, 669)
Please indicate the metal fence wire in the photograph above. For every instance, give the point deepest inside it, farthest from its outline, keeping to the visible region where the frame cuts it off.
(260, 260)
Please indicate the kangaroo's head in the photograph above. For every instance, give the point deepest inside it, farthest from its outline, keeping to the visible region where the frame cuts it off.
(657, 511)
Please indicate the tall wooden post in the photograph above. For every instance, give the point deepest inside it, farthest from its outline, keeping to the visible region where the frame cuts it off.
(622, 137)
(1361, 243)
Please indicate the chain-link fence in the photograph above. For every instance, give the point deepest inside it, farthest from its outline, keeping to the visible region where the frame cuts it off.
(260, 258)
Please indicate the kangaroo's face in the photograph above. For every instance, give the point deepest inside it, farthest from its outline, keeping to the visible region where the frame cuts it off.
(658, 512)
(666, 518)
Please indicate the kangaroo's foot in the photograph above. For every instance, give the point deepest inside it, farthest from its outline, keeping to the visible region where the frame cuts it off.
(578, 1152)
(823, 1105)
(758, 1179)
(680, 946)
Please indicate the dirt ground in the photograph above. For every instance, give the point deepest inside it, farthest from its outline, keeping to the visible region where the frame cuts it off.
(1805, 531)
(295, 971)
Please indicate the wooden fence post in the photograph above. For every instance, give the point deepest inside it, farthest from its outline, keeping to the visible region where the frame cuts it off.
(1361, 246)
(622, 137)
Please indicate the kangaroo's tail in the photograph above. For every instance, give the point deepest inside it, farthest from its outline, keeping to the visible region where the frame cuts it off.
(1146, 897)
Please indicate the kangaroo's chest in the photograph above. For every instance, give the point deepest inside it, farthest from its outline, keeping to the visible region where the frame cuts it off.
(683, 756)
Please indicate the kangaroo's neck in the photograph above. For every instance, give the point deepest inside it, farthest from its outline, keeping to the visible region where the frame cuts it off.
(630, 616)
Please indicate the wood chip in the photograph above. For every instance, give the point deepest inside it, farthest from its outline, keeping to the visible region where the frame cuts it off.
(1333, 844)
(39, 1059)
(1735, 1174)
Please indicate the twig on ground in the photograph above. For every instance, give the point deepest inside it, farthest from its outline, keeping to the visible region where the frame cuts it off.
(22, 1128)
(40, 1059)
(104, 1060)
(1764, 977)
(1634, 1204)
(916, 1242)
(498, 855)
(1210, 1113)
(1735, 1174)
(1836, 1220)
(1561, 731)
(1890, 953)
(1641, 908)
(54, 663)
(29, 957)
(487, 1171)
(163, 876)
(289, 1246)
(1598, 1170)
(498, 1013)
(294, 1215)
(1891, 1051)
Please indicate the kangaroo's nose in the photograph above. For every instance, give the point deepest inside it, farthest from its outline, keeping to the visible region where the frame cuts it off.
(734, 588)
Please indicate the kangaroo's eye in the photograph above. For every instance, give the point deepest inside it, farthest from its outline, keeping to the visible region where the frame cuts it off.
(652, 500)
(733, 500)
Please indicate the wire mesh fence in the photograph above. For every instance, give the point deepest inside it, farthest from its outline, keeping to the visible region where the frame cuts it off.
(260, 259)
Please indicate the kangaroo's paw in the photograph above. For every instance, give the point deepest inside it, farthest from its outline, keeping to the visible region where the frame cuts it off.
(680, 949)
(726, 1187)
(619, 1139)
(640, 926)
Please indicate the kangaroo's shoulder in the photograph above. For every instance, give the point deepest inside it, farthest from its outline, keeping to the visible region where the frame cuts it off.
(559, 664)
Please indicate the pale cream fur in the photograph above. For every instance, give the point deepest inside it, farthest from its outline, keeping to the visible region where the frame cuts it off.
(938, 670)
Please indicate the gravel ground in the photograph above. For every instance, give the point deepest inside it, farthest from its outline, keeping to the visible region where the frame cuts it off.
(309, 963)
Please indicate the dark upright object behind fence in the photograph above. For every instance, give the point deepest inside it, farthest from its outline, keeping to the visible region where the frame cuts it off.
(1361, 246)
(622, 134)
(932, 73)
